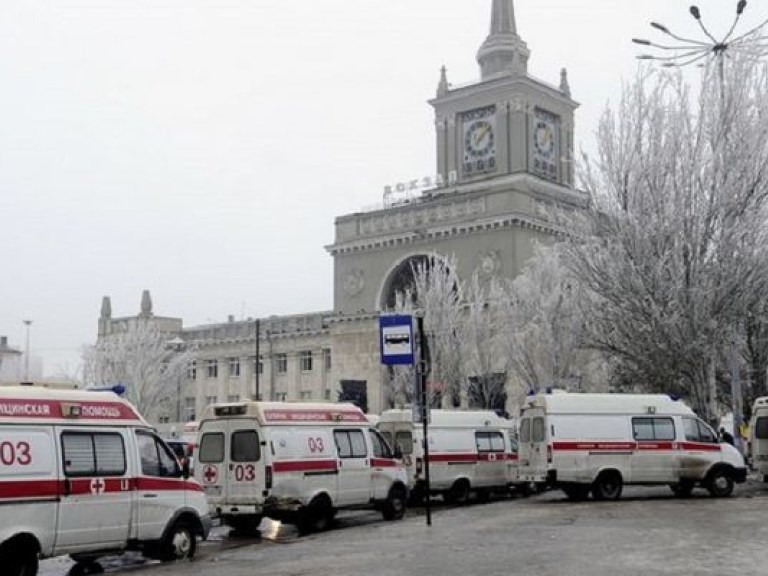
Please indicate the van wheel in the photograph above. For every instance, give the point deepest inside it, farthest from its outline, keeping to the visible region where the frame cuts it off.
(23, 566)
(394, 507)
(458, 493)
(317, 517)
(608, 486)
(720, 483)
(179, 543)
(682, 489)
(576, 492)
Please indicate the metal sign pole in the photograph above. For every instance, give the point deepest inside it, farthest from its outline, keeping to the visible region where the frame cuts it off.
(424, 415)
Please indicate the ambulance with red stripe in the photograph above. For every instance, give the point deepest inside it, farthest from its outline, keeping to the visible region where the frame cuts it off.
(82, 473)
(469, 451)
(296, 462)
(596, 443)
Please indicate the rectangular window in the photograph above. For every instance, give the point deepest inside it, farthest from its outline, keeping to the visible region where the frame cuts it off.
(350, 443)
(163, 419)
(213, 368)
(489, 441)
(245, 446)
(192, 372)
(233, 398)
(761, 428)
(282, 363)
(305, 360)
(93, 454)
(189, 408)
(327, 356)
(156, 458)
(525, 430)
(210, 400)
(327, 395)
(258, 366)
(211, 448)
(234, 367)
(537, 430)
(306, 395)
(281, 396)
(653, 429)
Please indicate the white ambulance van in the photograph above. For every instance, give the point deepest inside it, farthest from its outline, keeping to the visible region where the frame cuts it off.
(596, 443)
(758, 440)
(295, 462)
(469, 451)
(82, 473)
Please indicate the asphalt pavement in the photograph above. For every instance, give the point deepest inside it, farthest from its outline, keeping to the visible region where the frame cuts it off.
(647, 532)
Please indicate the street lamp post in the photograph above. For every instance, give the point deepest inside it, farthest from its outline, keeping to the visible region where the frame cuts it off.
(27, 323)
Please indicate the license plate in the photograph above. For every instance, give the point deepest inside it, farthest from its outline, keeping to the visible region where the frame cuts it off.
(213, 490)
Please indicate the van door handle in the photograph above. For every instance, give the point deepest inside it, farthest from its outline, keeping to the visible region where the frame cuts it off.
(150, 495)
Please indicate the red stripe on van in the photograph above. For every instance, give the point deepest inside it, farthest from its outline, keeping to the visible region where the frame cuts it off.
(305, 466)
(162, 484)
(568, 446)
(42, 409)
(700, 446)
(29, 489)
(294, 415)
(384, 463)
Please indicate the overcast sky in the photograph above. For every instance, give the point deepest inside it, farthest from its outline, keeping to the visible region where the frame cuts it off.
(202, 148)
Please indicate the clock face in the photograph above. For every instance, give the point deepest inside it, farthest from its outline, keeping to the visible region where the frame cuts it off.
(545, 143)
(479, 141)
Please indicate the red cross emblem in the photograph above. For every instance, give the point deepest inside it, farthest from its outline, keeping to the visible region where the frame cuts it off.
(210, 474)
(98, 486)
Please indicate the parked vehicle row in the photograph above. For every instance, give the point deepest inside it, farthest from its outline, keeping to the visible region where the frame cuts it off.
(82, 473)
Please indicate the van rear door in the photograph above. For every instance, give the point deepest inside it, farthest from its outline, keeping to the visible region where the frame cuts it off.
(211, 469)
(245, 472)
(534, 454)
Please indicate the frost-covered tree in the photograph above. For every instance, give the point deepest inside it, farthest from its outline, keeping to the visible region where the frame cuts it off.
(543, 323)
(481, 341)
(672, 245)
(143, 360)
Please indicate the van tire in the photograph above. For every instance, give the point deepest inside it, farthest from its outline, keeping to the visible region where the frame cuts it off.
(458, 493)
(179, 543)
(16, 562)
(394, 506)
(719, 482)
(317, 517)
(576, 492)
(22, 566)
(608, 486)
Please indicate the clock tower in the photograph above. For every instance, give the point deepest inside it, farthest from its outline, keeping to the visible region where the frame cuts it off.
(508, 122)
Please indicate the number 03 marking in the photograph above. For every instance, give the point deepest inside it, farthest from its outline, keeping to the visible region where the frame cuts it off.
(316, 445)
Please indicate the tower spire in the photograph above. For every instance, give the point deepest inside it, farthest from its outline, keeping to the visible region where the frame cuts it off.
(503, 50)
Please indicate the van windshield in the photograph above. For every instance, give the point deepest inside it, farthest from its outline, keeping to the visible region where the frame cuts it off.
(404, 439)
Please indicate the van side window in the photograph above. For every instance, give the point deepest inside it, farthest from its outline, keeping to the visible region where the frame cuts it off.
(489, 441)
(653, 428)
(93, 454)
(404, 439)
(705, 433)
(537, 430)
(387, 435)
(211, 448)
(380, 446)
(512, 443)
(245, 446)
(156, 458)
(525, 430)
(350, 443)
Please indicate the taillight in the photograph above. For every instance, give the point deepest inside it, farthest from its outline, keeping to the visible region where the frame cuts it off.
(418, 466)
(549, 453)
(268, 477)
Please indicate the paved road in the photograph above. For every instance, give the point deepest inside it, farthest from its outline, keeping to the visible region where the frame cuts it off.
(647, 533)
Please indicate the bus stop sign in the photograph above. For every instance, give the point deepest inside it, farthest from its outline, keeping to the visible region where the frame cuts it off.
(396, 337)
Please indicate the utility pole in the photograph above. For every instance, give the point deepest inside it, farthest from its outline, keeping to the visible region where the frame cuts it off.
(256, 363)
(26, 352)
